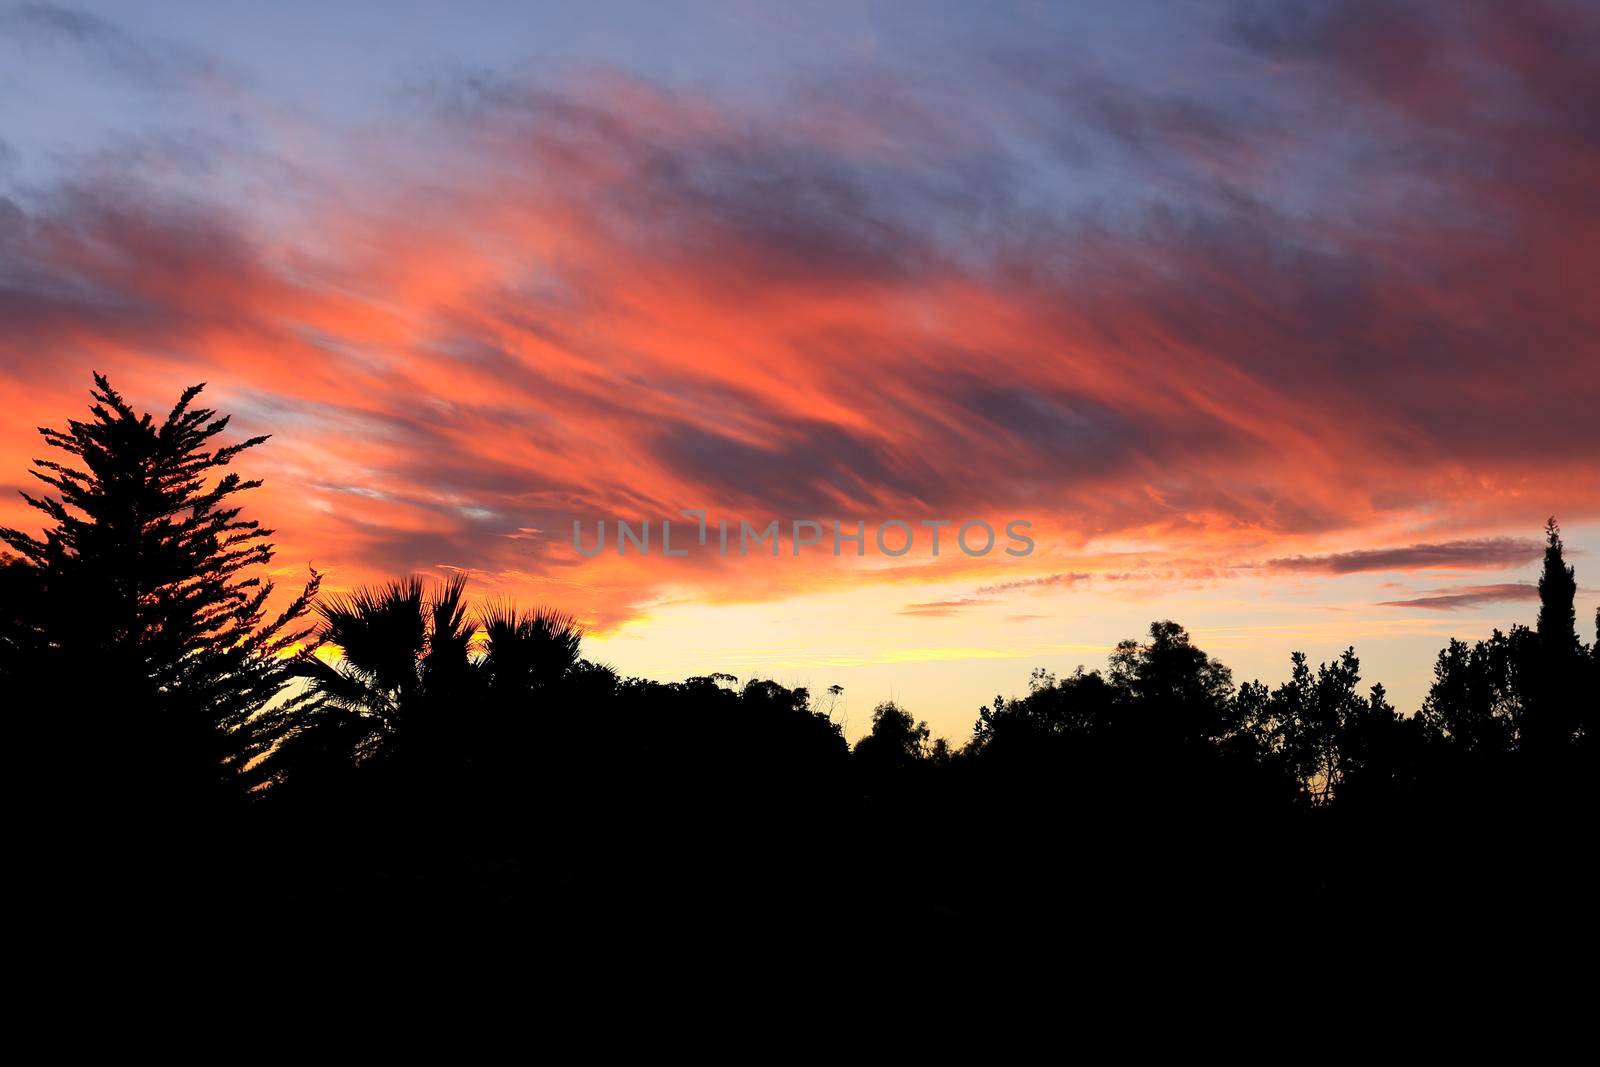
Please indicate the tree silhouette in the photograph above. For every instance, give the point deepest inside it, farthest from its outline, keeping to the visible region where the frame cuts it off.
(1322, 733)
(1554, 712)
(1187, 693)
(536, 690)
(145, 617)
(398, 677)
(1478, 700)
(395, 687)
(1079, 706)
(895, 742)
(1558, 587)
(527, 653)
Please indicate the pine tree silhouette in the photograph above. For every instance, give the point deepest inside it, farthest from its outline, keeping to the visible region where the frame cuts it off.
(147, 622)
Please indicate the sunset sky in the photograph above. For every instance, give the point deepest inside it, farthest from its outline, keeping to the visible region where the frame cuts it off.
(1281, 321)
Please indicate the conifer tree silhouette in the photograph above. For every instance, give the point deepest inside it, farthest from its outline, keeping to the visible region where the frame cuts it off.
(1558, 586)
(147, 621)
(1554, 711)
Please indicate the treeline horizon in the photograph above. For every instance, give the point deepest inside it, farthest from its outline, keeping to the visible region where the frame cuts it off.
(173, 729)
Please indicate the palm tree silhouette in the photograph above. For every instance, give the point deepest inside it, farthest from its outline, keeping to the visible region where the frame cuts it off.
(399, 651)
(526, 652)
(412, 682)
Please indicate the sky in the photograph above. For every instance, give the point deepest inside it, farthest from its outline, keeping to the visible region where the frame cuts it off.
(1275, 319)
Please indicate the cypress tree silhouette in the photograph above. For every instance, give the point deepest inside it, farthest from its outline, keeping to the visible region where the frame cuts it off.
(145, 646)
(1554, 712)
(1558, 587)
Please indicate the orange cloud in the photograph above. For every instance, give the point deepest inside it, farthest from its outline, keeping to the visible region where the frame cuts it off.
(534, 305)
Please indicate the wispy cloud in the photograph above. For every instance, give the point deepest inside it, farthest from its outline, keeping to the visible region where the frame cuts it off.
(1034, 583)
(939, 608)
(1489, 553)
(1467, 596)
